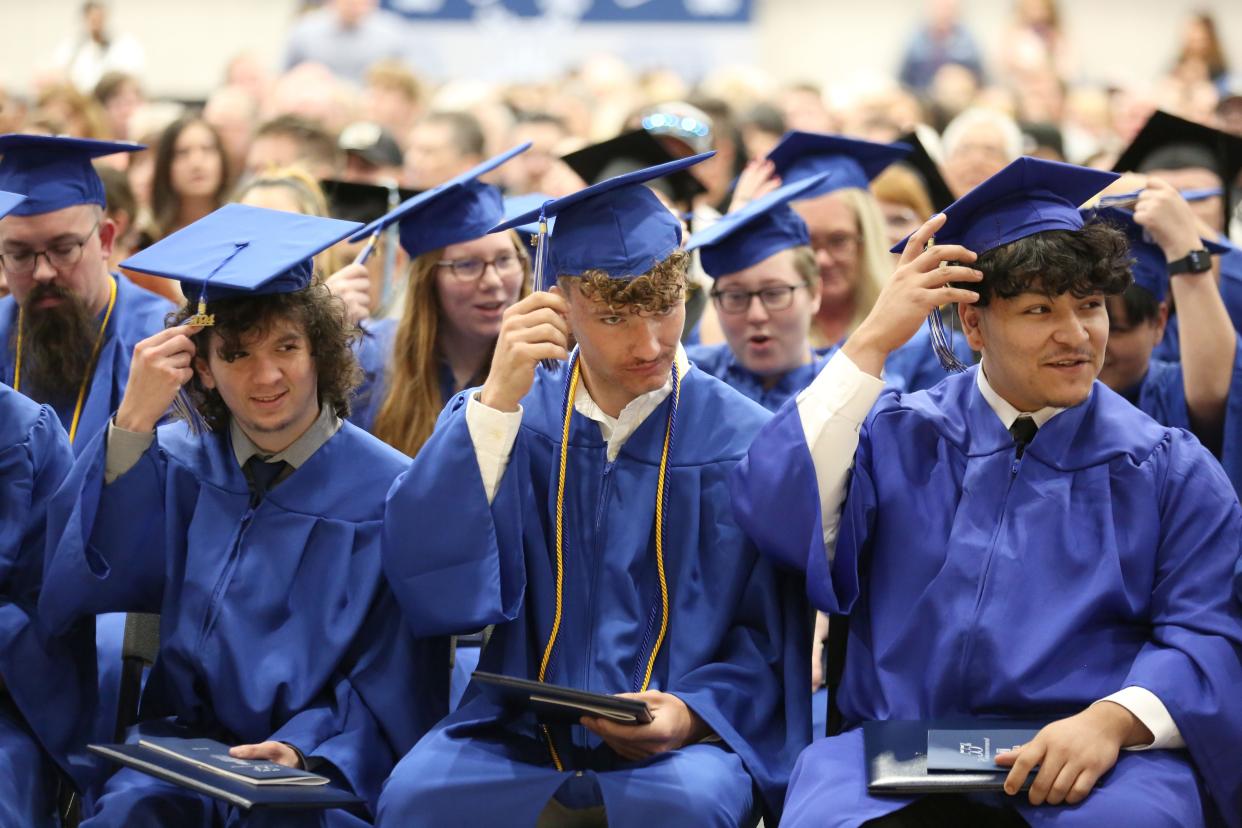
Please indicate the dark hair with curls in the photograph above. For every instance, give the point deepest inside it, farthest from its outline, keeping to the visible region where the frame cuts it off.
(655, 291)
(1095, 259)
(241, 320)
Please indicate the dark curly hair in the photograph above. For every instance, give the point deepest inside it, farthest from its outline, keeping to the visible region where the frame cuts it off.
(655, 291)
(1095, 259)
(239, 320)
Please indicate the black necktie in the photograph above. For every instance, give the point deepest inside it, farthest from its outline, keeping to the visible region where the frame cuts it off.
(1023, 431)
(262, 475)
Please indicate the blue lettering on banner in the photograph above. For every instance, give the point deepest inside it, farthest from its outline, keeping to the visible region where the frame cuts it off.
(587, 11)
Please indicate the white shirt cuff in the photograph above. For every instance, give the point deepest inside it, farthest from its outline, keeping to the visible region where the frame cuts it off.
(842, 390)
(493, 434)
(124, 449)
(832, 410)
(1148, 709)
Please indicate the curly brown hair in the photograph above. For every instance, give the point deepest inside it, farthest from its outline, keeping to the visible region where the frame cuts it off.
(1095, 259)
(242, 319)
(655, 291)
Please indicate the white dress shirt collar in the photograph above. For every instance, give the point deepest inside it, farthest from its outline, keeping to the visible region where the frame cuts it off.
(616, 430)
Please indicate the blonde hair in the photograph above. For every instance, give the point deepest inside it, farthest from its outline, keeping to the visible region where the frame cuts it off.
(308, 195)
(413, 401)
(875, 263)
(900, 185)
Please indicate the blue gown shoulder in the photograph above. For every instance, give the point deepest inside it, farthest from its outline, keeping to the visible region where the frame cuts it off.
(1102, 428)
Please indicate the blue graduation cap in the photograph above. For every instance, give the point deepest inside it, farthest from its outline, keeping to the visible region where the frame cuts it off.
(1029, 196)
(762, 228)
(55, 172)
(240, 250)
(1150, 268)
(8, 201)
(460, 209)
(617, 226)
(853, 163)
(515, 206)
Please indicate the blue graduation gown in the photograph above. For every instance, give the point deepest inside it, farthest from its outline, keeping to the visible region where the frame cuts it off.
(46, 708)
(983, 585)
(1162, 396)
(738, 630)
(915, 366)
(374, 352)
(276, 622)
(138, 314)
(1169, 348)
(719, 362)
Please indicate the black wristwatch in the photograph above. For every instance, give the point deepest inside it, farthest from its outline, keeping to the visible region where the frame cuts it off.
(1196, 261)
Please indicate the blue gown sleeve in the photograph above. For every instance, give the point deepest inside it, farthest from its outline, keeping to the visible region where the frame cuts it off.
(456, 564)
(753, 693)
(1231, 428)
(49, 678)
(1237, 580)
(1193, 661)
(776, 501)
(365, 721)
(106, 543)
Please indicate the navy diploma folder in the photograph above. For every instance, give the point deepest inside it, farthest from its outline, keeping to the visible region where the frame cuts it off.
(897, 751)
(553, 703)
(244, 795)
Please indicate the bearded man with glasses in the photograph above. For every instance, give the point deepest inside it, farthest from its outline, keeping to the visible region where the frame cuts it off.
(69, 327)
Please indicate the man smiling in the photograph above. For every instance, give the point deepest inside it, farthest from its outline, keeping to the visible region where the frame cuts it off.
(1018, 541)
(257, 541)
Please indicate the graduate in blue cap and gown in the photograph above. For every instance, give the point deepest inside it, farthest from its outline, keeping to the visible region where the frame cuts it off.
(46, 682)
(1203, 163)
(76, 322)
(1202, 393)
(765, 290)
(69, 326)
(460, 282)
(584, 512)
(253, 528)
(1018, 541)
(848, 236)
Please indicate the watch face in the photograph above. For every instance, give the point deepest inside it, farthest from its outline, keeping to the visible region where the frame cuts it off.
(1199, 261)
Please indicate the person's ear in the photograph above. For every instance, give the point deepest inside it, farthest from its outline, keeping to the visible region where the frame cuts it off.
(203, 368)
(107, 236)
(972, 318)
(1161, 321)
(813, 288)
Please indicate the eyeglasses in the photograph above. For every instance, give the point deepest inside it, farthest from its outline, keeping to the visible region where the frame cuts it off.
(471, 270)
(738, 301)
(62, 256)
(836, 243)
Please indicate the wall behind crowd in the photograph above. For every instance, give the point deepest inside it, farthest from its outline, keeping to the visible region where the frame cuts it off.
(839, 43)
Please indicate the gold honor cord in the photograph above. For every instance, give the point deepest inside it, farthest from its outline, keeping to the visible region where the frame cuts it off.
(661, 497)
(90, 367)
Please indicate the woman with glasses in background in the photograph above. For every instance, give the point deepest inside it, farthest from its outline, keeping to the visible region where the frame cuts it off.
(849, 237)
(461, 281)
(766, 292)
